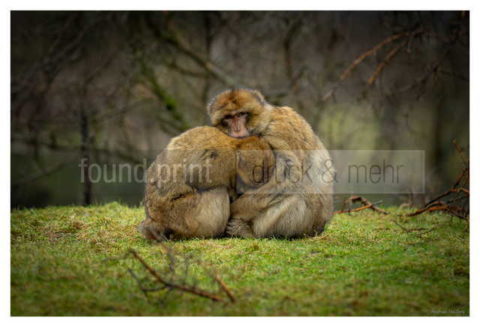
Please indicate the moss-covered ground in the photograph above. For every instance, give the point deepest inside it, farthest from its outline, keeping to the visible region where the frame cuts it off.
(69, 261)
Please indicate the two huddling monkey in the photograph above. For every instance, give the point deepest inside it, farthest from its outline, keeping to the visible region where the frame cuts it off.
(237, 177)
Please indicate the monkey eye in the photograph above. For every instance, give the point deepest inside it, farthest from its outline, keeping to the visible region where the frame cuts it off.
(228, 117)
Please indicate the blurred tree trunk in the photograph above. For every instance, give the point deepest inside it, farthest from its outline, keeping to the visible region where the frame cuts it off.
(85, 154)
(207, 22)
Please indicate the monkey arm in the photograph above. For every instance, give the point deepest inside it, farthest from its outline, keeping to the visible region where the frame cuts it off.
(280, 186)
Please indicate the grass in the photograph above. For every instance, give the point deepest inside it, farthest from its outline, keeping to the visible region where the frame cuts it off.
(67, 261)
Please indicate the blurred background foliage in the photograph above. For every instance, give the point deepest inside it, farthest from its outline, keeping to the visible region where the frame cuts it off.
(114, 87)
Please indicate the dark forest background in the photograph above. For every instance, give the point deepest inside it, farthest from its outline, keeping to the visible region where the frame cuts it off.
(114, 87)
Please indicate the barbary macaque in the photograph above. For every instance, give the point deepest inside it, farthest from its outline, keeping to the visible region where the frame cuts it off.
(285, 206)
(191, 183)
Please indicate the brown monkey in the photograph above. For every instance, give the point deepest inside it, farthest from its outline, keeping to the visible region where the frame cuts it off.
(190, 183)
(290, 204)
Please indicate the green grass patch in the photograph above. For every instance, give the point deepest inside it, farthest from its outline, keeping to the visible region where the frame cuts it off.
(68, 261)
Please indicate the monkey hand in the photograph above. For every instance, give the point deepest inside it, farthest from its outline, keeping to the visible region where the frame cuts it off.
(239, 228)
(246, 207)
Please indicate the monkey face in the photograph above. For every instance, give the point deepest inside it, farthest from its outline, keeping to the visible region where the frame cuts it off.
(240, 112)
(236, 124)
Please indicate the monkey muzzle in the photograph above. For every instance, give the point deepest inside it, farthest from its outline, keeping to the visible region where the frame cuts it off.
(238, 128)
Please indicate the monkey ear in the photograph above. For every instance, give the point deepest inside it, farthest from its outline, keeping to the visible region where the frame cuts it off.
(210, 105)
(259, 96)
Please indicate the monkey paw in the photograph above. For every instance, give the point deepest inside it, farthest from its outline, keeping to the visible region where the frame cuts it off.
(244, 208)
(151, 230)
(239, 228)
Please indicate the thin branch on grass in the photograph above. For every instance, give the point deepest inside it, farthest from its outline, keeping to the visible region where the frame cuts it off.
(187, 289)
(144, 290)
(224, 287)
(366, 205)
(450, 191)
(171, 285)
(454, 210)
(440, 203)
(419, 230)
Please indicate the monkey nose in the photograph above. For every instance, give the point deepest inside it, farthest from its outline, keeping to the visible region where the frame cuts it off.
(239, 134)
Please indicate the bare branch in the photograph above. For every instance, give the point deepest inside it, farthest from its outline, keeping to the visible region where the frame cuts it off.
(175, 40)
(370, 52)
(184, 288)
(436, 205)
(381, 66)
(224, 287)
(366, 205)
(374, 50)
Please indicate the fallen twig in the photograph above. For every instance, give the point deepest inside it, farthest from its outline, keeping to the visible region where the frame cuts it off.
(439, 203)
(434, 206)
(167, 284)
(450, 191)
(419, 230)
(224, 287)
(454, 210)
(366, 205)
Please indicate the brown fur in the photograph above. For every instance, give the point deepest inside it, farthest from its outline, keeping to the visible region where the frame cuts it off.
(279, 208)
(184, 203)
